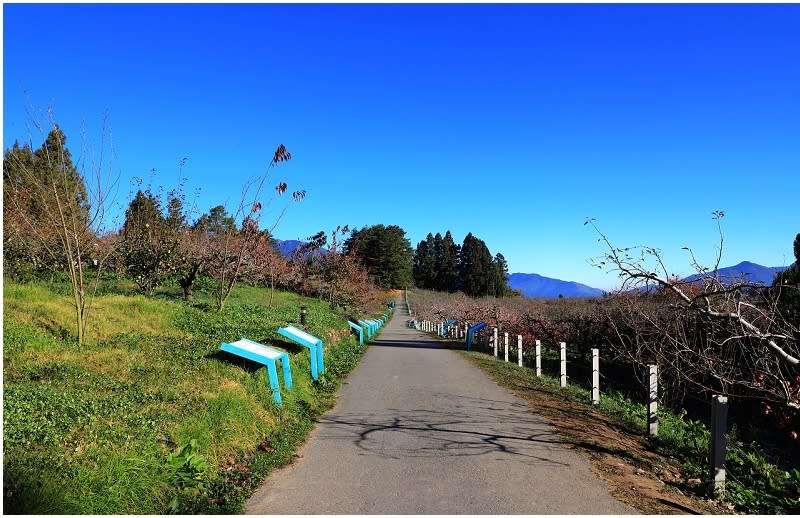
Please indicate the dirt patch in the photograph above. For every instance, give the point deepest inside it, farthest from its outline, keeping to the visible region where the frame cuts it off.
(648, 481)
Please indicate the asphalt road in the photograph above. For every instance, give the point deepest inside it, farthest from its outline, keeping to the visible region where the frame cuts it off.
(419, 430)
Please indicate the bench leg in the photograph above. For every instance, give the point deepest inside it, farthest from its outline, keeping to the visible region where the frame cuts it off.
(273, 382)
(287, 371)
(320, 358)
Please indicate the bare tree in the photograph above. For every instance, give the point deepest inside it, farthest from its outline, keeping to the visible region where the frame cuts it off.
(56, 210)
(716, 333)
(233, 247)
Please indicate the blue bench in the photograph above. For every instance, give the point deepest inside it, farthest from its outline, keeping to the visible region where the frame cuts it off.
(360, 330)
(471, 332)
(266, 356)
(313, 344)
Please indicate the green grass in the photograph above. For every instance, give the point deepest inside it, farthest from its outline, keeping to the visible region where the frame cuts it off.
(89, 429)
(753, 485)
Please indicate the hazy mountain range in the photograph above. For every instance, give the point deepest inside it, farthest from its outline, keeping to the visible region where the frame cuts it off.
(536, 286)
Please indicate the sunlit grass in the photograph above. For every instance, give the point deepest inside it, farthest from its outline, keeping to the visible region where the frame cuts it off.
(87, 429)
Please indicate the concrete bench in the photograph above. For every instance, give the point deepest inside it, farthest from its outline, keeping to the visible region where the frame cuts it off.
(471, 332)
(360, 330)
(266, 356)
(314, 345)
(369, 327)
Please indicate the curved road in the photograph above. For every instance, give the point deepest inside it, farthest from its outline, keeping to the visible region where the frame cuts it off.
(419, 430)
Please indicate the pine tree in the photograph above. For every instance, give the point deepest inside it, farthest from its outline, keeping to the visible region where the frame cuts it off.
(500, 282)
(476, 270)
(447, 272)
(424, 267)
(385, 252)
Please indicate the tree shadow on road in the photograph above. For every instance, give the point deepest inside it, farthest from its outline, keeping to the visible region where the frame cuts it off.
(465, 426)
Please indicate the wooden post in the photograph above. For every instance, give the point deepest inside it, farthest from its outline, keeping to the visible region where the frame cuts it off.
(494, 335)
(652, 413)
(519, 350)
(595, 376)
(505, 342)
(563, 364)
(538, 358)
(719, 426)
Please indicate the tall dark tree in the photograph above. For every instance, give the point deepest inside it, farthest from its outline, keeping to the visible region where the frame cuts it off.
(386, 253)
(500, 281)
(217, 222)
(447, 265)
(476, 269)
(424, 264)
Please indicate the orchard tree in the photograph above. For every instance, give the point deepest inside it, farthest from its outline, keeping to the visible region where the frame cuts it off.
(233, 248)
(786, 288)
(718, 335)
(149, 247)
(52, 218)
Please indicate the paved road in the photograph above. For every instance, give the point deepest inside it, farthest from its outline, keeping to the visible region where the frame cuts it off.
(419, 430)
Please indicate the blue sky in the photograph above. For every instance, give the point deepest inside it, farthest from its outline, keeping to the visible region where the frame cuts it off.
(513, 122)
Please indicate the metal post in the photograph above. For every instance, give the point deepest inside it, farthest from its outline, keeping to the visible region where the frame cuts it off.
(595, 376)
(563, 346)
(505, 342)
(652, 413)
(719, 426)
(494, 335)
(538, 358)
(519, 350)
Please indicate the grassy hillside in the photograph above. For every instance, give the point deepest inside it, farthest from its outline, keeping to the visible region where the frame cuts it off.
(147, 416)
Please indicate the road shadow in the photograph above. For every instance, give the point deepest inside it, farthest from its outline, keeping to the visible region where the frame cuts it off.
(409, 344)
(464, 427)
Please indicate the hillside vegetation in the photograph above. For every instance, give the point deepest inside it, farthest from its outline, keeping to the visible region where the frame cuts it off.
(146, 416)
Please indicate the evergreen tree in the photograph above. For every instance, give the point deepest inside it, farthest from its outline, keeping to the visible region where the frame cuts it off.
(500, 282)
(385, 252)
(476, 269)
(438, 262)
(424, 267)
(43, 194)
(448, 274)
(217, 222)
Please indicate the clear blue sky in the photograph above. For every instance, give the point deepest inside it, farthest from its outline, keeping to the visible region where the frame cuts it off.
(513, 122)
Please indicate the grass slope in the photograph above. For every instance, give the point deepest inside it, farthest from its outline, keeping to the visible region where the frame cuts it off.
(148, 417)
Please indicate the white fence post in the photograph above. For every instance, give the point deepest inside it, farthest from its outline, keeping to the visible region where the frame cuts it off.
(719, 425)
(652, 413)
(595, 376)
(538, 353)
(494, 336)
(563, 346)
(505, 342)
(519, 350)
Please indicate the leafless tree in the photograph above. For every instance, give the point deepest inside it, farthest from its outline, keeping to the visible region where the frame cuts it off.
(718, 334)
(57, 209)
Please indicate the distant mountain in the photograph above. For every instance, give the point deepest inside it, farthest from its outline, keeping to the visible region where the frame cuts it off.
(287, 247)
(743, 272)
(532, 285)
